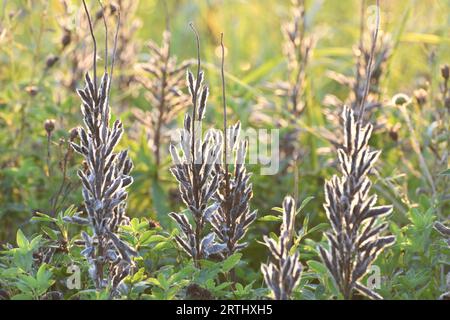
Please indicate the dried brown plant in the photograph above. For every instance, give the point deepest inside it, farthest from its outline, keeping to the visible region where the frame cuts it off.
(297, 49)
(163, 92)
(357, 83)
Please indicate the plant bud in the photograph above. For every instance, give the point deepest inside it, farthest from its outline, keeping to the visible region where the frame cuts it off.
(421, 96)
(99, 14)
(32, 90)
(66, 38)
(51, 60)
(73, 134)
(445, 72)
(400, 99)
(49, 125)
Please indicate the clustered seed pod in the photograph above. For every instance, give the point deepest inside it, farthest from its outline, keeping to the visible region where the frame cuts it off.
(105, 178)
(233, 217)
(163, 92)
(198, 182)
(354, 238)
(283, 273)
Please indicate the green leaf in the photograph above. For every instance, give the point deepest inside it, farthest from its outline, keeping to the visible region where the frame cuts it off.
(163, 282)
(270, 218)
(22, 241)
(52, 234)
(231, 262)
(160, 203)
(304, 203)
(184, 273)
(39, 216)
(22, 296)
(34, 244)
(147, 239)
(318, 267)
(154, 282)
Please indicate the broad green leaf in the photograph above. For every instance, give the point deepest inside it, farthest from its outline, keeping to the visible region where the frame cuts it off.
(22, 296)
(22, 241)
(231, 262)
(318, 267)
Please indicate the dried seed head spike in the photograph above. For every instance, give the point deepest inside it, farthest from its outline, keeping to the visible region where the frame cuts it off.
(233, 217)
(104, 183)
(163, 85)
(362, 86)
(282, 274)
(355, 238)
(194, 160)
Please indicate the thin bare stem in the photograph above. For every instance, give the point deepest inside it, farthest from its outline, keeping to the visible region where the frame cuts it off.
(197, 86)
(115, 44)
(166, 15)
(49, 136)
(194, 102)
(362, 106)
(360, 48)
(224, 103)
(106, 35)
(94, 41)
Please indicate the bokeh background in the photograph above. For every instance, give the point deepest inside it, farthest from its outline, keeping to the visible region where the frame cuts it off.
(45, 48)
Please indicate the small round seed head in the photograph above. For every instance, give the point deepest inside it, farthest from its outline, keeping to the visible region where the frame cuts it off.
(99, 14)
(32, 90)
(393, 132)
(400, 99)
(73, 134)
(66, 38)
(49, 125)
(421, 96)
(51, 60)
(445, 71)
(113, 8)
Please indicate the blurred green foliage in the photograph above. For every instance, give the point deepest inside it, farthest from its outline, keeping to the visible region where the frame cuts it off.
(36, 191)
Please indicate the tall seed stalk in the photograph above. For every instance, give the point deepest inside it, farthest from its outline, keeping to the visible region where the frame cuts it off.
(354, 240)
(105, 177)
(195, 172)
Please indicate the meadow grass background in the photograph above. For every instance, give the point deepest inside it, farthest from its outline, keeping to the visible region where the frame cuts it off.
(30, 32)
